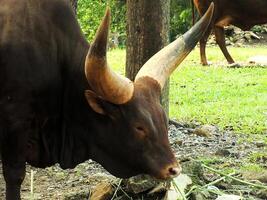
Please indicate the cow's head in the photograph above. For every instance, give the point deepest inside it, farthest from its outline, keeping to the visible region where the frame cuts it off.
(136, 136)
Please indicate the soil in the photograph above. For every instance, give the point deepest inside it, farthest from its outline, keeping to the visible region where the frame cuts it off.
(55, 183)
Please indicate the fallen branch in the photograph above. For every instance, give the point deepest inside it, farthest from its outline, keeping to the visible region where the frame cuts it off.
(175, 123)
(117, 188)
(253, 35)
(207, 185)
(234, 178)
(218, 180)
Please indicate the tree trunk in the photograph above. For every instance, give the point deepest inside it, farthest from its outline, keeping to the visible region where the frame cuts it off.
(147, 33)
(74, 4)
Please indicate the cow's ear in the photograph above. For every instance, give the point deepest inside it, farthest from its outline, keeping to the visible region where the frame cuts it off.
(95, 102)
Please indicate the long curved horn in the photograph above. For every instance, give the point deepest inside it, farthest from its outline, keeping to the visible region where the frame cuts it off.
(162, 64)
(105, 82)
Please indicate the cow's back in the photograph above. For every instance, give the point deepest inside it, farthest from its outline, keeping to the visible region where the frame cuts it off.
(41, 50)
(28, 65)
(241, 13)
(36, 43)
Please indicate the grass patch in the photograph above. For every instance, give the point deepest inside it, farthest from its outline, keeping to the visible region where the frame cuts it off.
(211, 160)
(231, 98)
(252, 168)
(258, 157)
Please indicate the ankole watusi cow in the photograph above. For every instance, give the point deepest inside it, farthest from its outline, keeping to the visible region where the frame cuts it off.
(241, 13)
(60, 102)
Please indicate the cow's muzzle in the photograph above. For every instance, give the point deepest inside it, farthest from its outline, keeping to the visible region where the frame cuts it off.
(170, 171)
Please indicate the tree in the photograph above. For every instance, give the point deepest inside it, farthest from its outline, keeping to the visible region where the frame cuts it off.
(180, 17)
(147, 33)
(90, 13)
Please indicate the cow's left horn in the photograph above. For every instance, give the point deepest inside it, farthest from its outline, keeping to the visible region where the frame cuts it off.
(105, 82)
(162, 64)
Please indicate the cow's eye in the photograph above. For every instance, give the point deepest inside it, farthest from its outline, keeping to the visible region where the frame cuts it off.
(140, 132)
(140, 129)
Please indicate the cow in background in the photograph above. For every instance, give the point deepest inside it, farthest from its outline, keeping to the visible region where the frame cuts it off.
(243, 14)
(60, 102)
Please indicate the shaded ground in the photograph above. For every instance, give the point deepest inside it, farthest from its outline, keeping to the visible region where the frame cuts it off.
(221, 148)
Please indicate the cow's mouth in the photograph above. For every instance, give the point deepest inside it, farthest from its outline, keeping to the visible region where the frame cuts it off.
(122, 169)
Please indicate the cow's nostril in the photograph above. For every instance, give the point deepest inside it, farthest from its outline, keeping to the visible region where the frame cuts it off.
(174, 171)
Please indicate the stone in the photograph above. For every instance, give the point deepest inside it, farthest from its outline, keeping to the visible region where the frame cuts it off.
(102, 191)
(223, 152)
(205, 131)
(178, 142)
(140, 183)
(260, 144)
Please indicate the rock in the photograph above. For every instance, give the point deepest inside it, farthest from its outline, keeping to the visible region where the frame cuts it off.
(102, 191)
(141, 183)
(223, 152)
(228, 197)
(205, 130)
(178, 142)
(260, 144)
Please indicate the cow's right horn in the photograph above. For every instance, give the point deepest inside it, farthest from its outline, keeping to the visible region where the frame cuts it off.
(160, 66)
(106, 83)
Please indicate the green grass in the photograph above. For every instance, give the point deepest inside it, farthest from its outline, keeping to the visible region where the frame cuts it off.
(249, 167)
(232, 98)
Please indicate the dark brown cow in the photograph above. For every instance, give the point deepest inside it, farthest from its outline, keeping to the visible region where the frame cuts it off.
(241, 13)
(61, 103)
